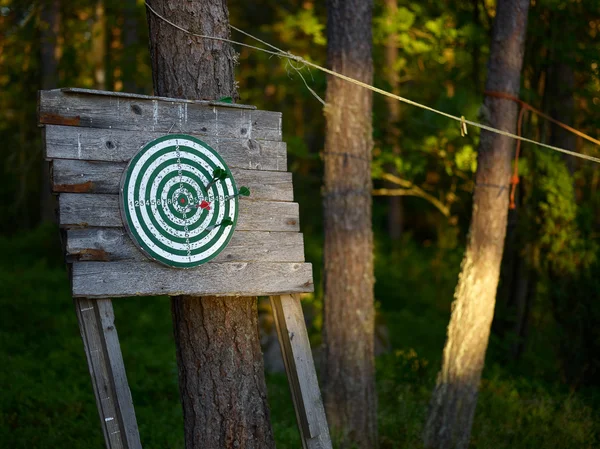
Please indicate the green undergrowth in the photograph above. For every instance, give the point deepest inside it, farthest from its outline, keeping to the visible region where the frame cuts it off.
(47, 399)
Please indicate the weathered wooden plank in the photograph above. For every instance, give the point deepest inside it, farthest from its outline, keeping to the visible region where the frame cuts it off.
(118, 376)
(140, 114)
(79, 90)
(115, 145)
(300, 368)
(130, 278)
(109, 380)
(114, 244)
(102, 210)
(105, 177)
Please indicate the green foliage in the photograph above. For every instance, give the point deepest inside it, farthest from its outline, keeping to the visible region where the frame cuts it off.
(442, 51)
(559, 246)
(47, 399)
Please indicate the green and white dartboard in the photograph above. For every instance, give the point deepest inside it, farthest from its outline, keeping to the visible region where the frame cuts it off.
(179, 201)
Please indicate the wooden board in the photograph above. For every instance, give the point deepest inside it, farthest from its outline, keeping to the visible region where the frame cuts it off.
(105, 177)
(301, 373)
(115, 145)
(109, 380)
(157, 115)
(102, 210)
(80, 90)
(131, 278)
(114, 244)
(90, 136)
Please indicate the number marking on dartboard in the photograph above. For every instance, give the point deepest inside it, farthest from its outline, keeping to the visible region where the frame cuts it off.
(179, 201)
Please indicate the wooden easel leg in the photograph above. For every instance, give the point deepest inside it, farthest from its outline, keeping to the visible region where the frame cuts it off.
(301, 373)
(105, 362)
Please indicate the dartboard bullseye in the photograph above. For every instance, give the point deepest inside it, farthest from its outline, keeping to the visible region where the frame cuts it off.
(179, 201)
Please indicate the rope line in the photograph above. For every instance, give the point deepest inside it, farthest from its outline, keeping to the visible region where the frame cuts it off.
(287, 55)
(527, 106)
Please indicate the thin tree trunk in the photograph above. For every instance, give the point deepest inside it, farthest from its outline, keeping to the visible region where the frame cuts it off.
(221, 378)
(454, 399)
(349, 375)
(98, 53)
(130, 37)
(395, 209)
(49, 31)
(522, 297)
(560, 86)
(502, 321)
(476, 48)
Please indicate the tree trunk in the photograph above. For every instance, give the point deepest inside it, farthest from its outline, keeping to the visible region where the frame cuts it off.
(185, 66)
(98, 53)
(221, 378)
(560, 86)
(349, 375)
(476, 55)
(455, 396)
(522, 298)
(130, 43)
(49, 31)
(395, 209)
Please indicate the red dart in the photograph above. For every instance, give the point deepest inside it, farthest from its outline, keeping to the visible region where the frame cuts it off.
(205, 205)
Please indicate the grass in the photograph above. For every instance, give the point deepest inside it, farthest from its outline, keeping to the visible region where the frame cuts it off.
(47, 400)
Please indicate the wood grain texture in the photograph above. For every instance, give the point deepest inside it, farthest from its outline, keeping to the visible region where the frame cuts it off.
(105, 177)
(139, 114)
(102, 210)
(300, 368)
(109, 380)
(131, 278)
(80, 90)
(114, 244)
(117, 145)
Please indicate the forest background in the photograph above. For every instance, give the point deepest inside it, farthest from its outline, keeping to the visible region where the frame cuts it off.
(541, 384)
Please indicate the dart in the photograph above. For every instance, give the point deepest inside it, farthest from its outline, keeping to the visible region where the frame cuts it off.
(204, 205)
(225, 222)
(218, 175)
(244, 191)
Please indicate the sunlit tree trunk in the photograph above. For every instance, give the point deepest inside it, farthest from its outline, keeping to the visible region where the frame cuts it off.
(221, 378)
(98, 53)
(349, 377)
(49, 32)
(454, 399)
(395, 210)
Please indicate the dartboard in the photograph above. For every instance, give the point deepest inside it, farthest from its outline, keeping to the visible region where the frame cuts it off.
(179, 201)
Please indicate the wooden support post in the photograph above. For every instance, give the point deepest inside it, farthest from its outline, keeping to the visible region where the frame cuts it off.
(105, 362)
(301, 373)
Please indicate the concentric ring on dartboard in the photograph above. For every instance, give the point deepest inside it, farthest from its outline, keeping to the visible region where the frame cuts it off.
(160, 190)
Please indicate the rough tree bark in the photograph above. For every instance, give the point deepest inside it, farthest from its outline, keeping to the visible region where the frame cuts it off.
(455, 396)
(349, 377)
(221, 378)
